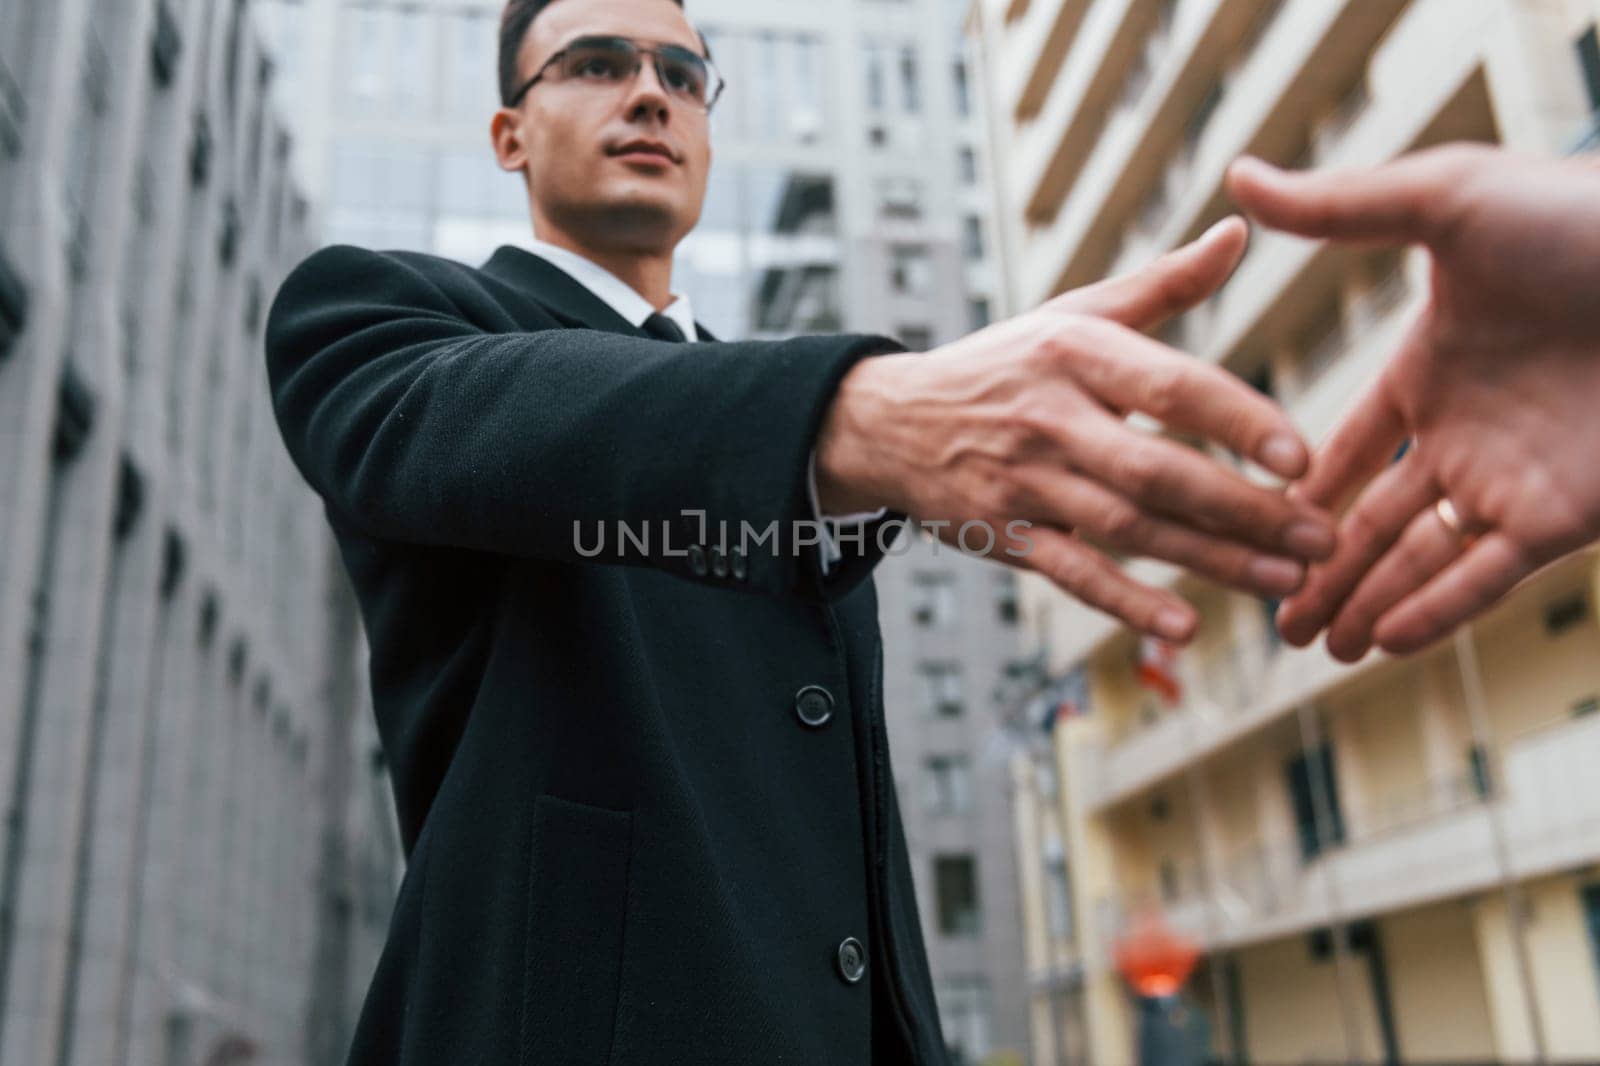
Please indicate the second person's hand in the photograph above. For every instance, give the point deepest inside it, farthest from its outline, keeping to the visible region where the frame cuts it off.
(1496, 382)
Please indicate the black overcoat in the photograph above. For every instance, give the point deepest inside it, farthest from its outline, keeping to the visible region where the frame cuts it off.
(643, 784)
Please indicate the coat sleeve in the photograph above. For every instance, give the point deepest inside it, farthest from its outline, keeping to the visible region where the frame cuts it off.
(418, 425)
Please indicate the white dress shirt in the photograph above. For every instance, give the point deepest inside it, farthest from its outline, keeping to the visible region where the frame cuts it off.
(625, 301)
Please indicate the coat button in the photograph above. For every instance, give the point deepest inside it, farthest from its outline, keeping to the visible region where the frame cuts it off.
(697, 560)
(719, 562)
(814, 705)
(741, 569)
(852, 960)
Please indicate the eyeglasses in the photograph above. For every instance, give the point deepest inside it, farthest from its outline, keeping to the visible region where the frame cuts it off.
(607, 62)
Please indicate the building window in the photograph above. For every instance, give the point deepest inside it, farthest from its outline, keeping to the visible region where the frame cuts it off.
(910, 270)
(1006, 604)
(915, 338)
(872, 62)
(1044, 777)
(368, 49)
(955, 888)
(900, 197)
(13, 303)
(910, 84)
(1590, 895)
(934, 602)
(1308, 773)
(941, 689)
(1566, 614)
(1058, 889)
(1260, 379)
(413, 87)
(472, 90)
(1273, 640)
(1200, 117)
(805, 100)
(166, 42)
(949, 781)
(963, 88)
(972, 237)
(767, 105)
(967, 162)
(1589, 59)
(964, 1013)
(1478, 772)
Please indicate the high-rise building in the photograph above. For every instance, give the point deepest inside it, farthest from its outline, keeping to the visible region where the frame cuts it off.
(1391, 862)
(193, 863)
(847, 193)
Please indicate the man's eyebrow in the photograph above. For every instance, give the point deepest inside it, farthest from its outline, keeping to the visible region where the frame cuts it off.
(695, 47)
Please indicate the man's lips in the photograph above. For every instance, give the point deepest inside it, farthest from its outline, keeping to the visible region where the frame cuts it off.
(644, 151)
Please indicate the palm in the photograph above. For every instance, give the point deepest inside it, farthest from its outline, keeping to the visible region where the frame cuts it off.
(1494, 384)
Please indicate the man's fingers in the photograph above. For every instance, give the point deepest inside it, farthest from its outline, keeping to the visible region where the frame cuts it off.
(1179, 483)
(1368, 531)
(1110, 519)
(1128, 371)
(1488, 570)
(1169, 286)
(1426, 547)
(1364, 442)
(1400, 202)
(1088, 575)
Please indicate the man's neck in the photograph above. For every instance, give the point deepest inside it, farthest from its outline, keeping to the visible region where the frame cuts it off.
(648, 275)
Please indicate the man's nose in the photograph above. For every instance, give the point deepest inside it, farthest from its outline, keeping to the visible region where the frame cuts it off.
(648, 97)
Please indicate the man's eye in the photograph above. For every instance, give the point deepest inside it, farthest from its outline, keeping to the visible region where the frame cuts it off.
(597, 67)
(680, 77)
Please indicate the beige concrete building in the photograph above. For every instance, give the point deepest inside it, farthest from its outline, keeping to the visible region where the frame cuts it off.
(1392, 862)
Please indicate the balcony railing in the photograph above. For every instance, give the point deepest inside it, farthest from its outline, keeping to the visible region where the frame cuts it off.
(1432, 842)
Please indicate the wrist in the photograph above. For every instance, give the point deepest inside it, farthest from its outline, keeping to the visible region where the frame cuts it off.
(852, 473)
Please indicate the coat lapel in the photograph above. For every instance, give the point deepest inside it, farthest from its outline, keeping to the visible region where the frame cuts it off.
(563, 297)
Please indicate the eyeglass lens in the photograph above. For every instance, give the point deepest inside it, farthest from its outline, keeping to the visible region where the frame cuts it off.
(611, 60)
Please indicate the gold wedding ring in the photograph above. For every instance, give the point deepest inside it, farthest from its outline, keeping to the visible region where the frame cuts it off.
(1450, 517)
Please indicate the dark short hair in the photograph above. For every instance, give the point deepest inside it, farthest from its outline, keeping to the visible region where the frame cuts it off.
(514, 23)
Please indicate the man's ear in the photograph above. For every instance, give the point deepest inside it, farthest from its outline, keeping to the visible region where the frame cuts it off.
(505, 130)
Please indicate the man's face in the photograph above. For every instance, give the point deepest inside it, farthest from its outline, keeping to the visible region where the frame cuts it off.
(571, 137)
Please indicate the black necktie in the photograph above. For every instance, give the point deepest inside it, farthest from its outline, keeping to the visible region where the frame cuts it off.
(663, 328)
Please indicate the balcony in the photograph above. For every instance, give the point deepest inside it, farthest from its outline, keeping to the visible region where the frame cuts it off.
(1268, 289)
(1053, 142)
(1307, 54)
(1436, 845)
(1201, 727)
(1035, 45)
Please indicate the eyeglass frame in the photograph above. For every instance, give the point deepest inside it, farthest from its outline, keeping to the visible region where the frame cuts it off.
(642, 48)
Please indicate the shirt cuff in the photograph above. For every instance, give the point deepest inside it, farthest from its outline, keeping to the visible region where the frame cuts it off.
(829, 548)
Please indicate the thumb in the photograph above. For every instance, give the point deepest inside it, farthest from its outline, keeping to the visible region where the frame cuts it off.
(1397, 203)
(1167, 287)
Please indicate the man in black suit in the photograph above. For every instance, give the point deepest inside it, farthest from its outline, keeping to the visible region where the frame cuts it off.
(638, 755)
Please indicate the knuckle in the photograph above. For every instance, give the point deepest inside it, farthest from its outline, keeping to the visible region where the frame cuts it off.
(1138, 471)
(1162, 391)
(1362, 530)
(1233, 565)
(1067, 569)
(1032, 424)
(1014, 437)
(1002, 496)
(1123, 524)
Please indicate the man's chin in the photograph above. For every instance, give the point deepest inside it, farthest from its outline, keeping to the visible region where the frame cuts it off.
(637, 210)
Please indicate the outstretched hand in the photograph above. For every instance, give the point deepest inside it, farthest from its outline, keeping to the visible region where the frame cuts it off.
(1494, 385)
(1025, 420)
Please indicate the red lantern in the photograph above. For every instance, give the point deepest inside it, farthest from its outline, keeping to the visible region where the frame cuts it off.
(1153, 958)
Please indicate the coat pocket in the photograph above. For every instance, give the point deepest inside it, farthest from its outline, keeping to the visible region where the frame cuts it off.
(577, 912)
